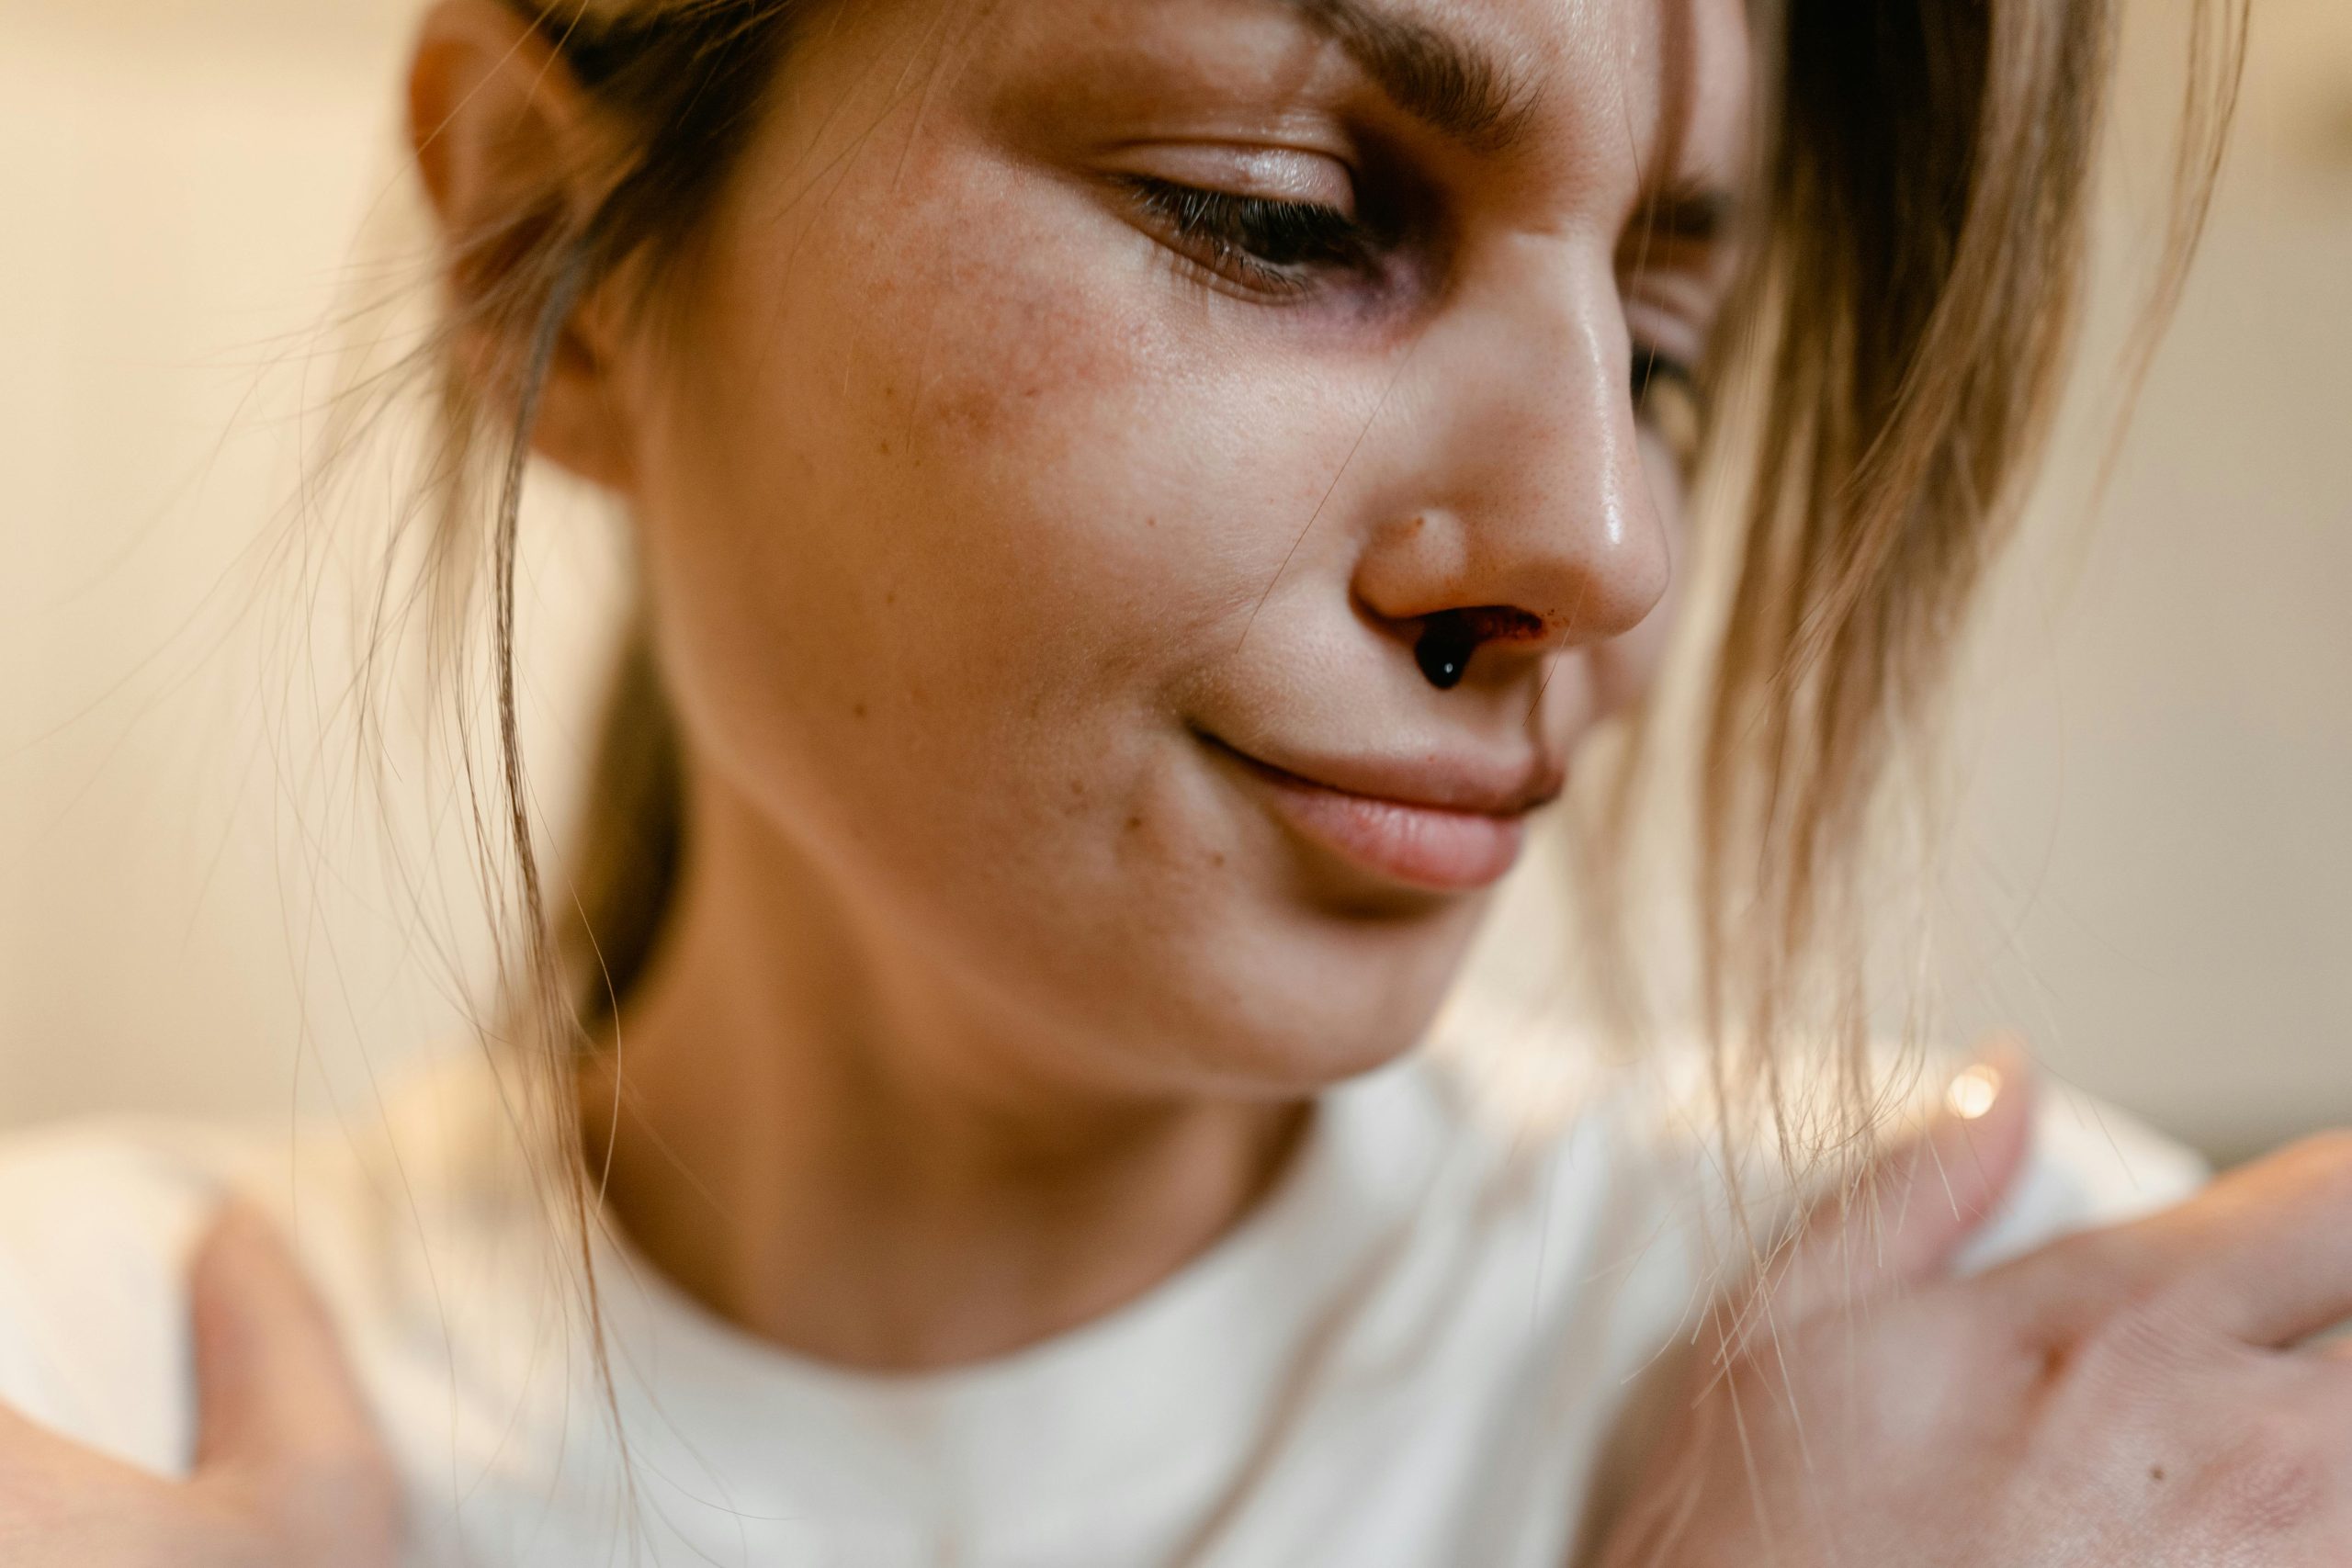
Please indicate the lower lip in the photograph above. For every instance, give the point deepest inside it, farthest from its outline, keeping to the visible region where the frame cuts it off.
(1420, 846)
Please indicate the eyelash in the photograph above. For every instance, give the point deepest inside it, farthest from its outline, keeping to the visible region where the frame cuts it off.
(1275, 246)
(1259, 242)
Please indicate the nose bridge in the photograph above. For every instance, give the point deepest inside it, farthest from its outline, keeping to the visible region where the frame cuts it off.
(1539, 461)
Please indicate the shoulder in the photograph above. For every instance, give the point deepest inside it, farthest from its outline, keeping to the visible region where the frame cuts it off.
(1607, 1209)
(1641, 1147)
(2091, 1165)
(99, 1220)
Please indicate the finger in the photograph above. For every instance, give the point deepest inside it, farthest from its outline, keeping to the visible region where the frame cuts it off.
(2265, 1255)
(1908, 1215)
(273, 1388)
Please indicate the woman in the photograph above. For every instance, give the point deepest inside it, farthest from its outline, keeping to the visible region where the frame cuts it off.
(1137, 505)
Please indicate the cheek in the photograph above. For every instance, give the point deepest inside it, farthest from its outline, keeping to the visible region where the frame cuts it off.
(943, 438)
(937, 488)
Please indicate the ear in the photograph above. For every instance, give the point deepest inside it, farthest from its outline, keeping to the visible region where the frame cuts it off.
(512, 153)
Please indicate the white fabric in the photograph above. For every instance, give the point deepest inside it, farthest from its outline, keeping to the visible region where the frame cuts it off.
(1410, 1357)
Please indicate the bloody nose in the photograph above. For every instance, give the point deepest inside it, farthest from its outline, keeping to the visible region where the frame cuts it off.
(1451, 636)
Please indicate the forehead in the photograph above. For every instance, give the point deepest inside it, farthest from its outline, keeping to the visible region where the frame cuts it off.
(1640, 95)
(1624, 102)
(1666, 83)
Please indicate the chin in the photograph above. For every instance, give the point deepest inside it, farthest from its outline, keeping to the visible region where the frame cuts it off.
(1322, 1000)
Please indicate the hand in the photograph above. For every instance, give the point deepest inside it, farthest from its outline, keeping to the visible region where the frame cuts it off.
(289, 1472)
(2132, 1395)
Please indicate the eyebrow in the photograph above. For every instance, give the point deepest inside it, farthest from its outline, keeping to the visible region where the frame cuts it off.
(1457, 87)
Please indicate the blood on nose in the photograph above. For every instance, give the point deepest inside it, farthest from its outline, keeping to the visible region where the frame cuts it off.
(1450, 637)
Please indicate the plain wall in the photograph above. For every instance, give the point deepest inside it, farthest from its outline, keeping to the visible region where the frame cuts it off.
(2151, 873)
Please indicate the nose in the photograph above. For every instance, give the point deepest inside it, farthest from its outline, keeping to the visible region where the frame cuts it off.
(1514, 517)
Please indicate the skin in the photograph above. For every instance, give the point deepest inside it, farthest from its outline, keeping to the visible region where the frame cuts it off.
(288, 1467)
(973, 498)
(2142, 1394)
(988, 518)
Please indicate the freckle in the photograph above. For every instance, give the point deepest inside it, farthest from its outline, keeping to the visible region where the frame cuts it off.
(882, 447)
(1151, 522)
(1217, 860)
(1135, 824)
(859, 710)
(890, 600)
(2155, 1472)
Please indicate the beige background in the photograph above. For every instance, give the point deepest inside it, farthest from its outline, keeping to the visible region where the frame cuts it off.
(2151, 873)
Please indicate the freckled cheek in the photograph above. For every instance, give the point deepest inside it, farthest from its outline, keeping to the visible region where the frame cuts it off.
(898, 541)
(1104, 478)
(993, 459)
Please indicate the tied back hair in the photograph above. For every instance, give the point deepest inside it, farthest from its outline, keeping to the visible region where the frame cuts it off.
(1910, 295)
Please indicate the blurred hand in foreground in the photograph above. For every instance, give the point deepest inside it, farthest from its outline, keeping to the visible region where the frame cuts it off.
(289, 1472)
(2131, 1395)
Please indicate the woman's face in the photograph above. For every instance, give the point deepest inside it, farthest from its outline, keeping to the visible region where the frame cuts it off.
(1083, 413)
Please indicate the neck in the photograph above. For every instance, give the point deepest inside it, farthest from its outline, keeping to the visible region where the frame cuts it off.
(842, 1149)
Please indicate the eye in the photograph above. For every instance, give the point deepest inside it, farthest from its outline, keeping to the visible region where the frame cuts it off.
(1668, 398)
(1274, 247)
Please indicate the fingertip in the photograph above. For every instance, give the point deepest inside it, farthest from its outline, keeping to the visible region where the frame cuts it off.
(271, 1379)
(1984, 1125)
(244, 1283)
(236, 1223)
(1924, 1195)
(239, 1239)
(2007, 1067)
(1998, 1081)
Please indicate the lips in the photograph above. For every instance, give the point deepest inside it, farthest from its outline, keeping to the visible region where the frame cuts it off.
(1434, 823)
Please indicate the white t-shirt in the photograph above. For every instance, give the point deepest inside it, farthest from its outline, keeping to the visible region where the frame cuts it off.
(1410, 1356)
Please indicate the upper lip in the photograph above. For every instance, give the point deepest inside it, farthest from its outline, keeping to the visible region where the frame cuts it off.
(1461, 782)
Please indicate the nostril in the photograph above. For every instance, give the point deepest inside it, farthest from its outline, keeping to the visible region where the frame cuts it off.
(1449, 639)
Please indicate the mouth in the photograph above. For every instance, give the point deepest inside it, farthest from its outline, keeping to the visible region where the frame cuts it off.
(1423, 824)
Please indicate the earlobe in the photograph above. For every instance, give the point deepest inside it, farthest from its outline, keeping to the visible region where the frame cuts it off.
(514, 162)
